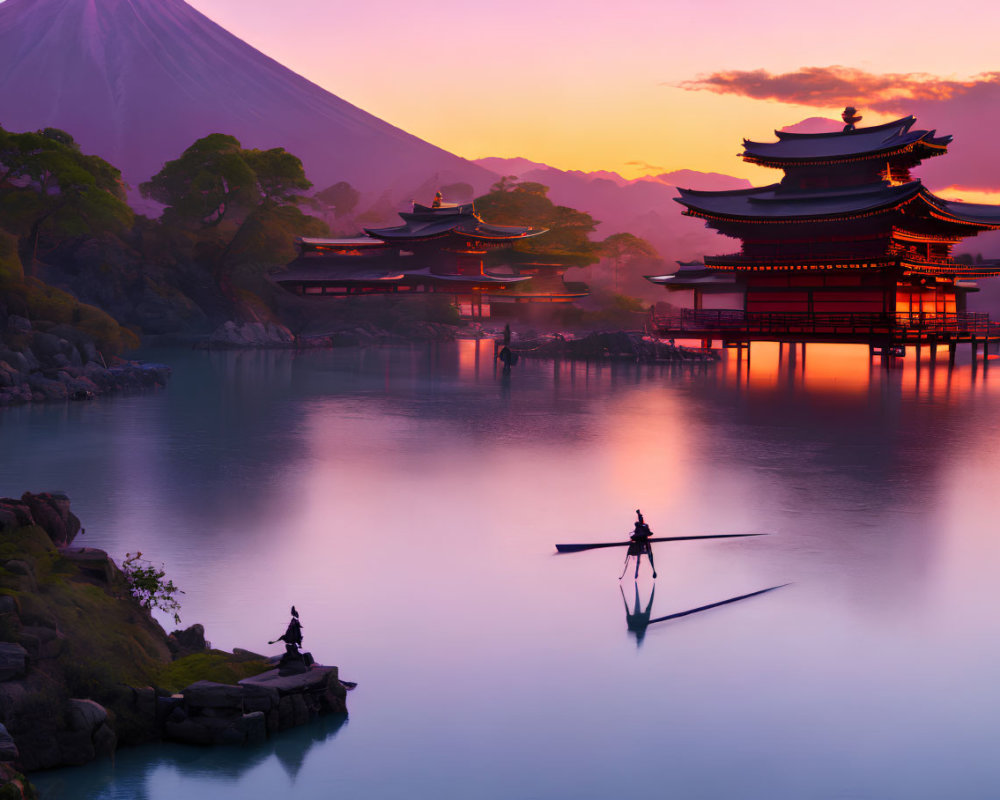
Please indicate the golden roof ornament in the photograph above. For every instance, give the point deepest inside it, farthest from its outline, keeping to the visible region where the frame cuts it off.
(850, 116)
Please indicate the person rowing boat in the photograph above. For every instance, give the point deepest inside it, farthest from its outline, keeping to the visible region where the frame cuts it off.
(639, 544)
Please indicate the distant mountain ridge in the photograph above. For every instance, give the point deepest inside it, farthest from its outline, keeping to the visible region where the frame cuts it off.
(137, 81)
(644, 206)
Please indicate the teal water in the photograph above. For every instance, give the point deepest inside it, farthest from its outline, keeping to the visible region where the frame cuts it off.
(407, 501)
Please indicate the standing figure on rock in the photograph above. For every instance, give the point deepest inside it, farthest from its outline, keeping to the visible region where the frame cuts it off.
(292, 637)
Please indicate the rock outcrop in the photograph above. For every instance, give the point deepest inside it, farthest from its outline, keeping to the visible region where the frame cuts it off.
(41, 362)
(213, 713)
(257, 335)
(84, 667)
(49, 511)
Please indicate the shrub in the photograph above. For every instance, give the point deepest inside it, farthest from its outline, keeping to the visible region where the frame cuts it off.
(147, 584)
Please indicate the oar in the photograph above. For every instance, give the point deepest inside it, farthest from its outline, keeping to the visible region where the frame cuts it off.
(576, 548)
(716, 605)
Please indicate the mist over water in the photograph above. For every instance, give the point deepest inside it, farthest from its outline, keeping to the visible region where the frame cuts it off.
(407, 502)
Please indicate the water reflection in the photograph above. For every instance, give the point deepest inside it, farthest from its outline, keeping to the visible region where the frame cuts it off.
(143, 773)
(639, 618)
(408, 498)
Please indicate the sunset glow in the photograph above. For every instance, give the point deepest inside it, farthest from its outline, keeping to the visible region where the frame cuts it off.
(596, 86)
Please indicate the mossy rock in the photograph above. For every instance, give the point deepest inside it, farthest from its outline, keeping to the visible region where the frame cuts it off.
(217, 666)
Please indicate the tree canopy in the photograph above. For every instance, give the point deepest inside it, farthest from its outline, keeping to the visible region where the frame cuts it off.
(622, 247)
(49, 187)
(216, 179)
(342, 197)
(527, 204)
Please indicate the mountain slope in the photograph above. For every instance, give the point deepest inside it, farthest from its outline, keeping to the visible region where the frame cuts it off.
(137, 81)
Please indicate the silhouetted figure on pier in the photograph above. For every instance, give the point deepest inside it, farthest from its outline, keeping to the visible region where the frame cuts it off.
(506, 355)
(293, 660)
(639, 545)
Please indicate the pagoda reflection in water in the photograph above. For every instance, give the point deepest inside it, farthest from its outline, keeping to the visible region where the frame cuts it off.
(847, 247)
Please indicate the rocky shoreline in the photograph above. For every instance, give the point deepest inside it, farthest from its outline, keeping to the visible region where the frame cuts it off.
(42, 362)
(85, 668)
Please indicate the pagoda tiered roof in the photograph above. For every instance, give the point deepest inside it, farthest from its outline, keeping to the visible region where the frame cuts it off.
(877, 142)
(430, 223)
(776, 204)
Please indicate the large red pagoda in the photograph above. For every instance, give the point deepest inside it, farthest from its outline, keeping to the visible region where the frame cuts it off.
(846, 247)
(441, 248)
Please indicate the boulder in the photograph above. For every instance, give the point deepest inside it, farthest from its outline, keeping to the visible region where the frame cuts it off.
(16, 324)
(86, 715)
(13, 695)
(8, 519)
(105, 740)
(13, 663)
(259, 698)
(51, 511)
(91, 561)
(255, 725)
(188, 641)
(41, 642)
(43, 389)
(43, 750)
(8, 750)
(74, 748)
(203, 695)
(188, 731)
(20, 511)
(250, 335)
(18, 567)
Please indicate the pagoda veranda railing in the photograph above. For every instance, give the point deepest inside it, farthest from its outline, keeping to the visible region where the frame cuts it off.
(901, 324)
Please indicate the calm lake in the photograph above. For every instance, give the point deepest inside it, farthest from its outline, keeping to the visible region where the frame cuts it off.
(407, 501)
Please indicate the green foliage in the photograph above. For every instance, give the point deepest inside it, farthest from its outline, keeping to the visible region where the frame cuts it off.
(280, 176)
(527, 204)
(147, 584)
(11, 270)
(625, 247)
(267, 237)
(210, 180)
(619, 246)
(45, 302)
(213, 665)
(18, 787)
(216, 179)
(341, 196)
(49, 189)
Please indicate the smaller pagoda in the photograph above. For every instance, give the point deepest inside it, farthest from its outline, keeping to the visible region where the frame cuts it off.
(441, 249)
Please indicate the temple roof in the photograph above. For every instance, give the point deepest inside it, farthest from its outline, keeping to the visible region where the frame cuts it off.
(353, 241)
(697, 276)
(336, 273)
(427, 223)
(775, 204)
(772, 203)
(879, 140)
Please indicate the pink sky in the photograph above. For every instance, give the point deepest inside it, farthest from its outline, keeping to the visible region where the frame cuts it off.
(594, 85)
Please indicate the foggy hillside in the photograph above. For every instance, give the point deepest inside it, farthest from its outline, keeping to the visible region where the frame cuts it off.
(644, 207)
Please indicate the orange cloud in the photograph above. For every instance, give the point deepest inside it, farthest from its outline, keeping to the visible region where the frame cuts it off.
(828, 87)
